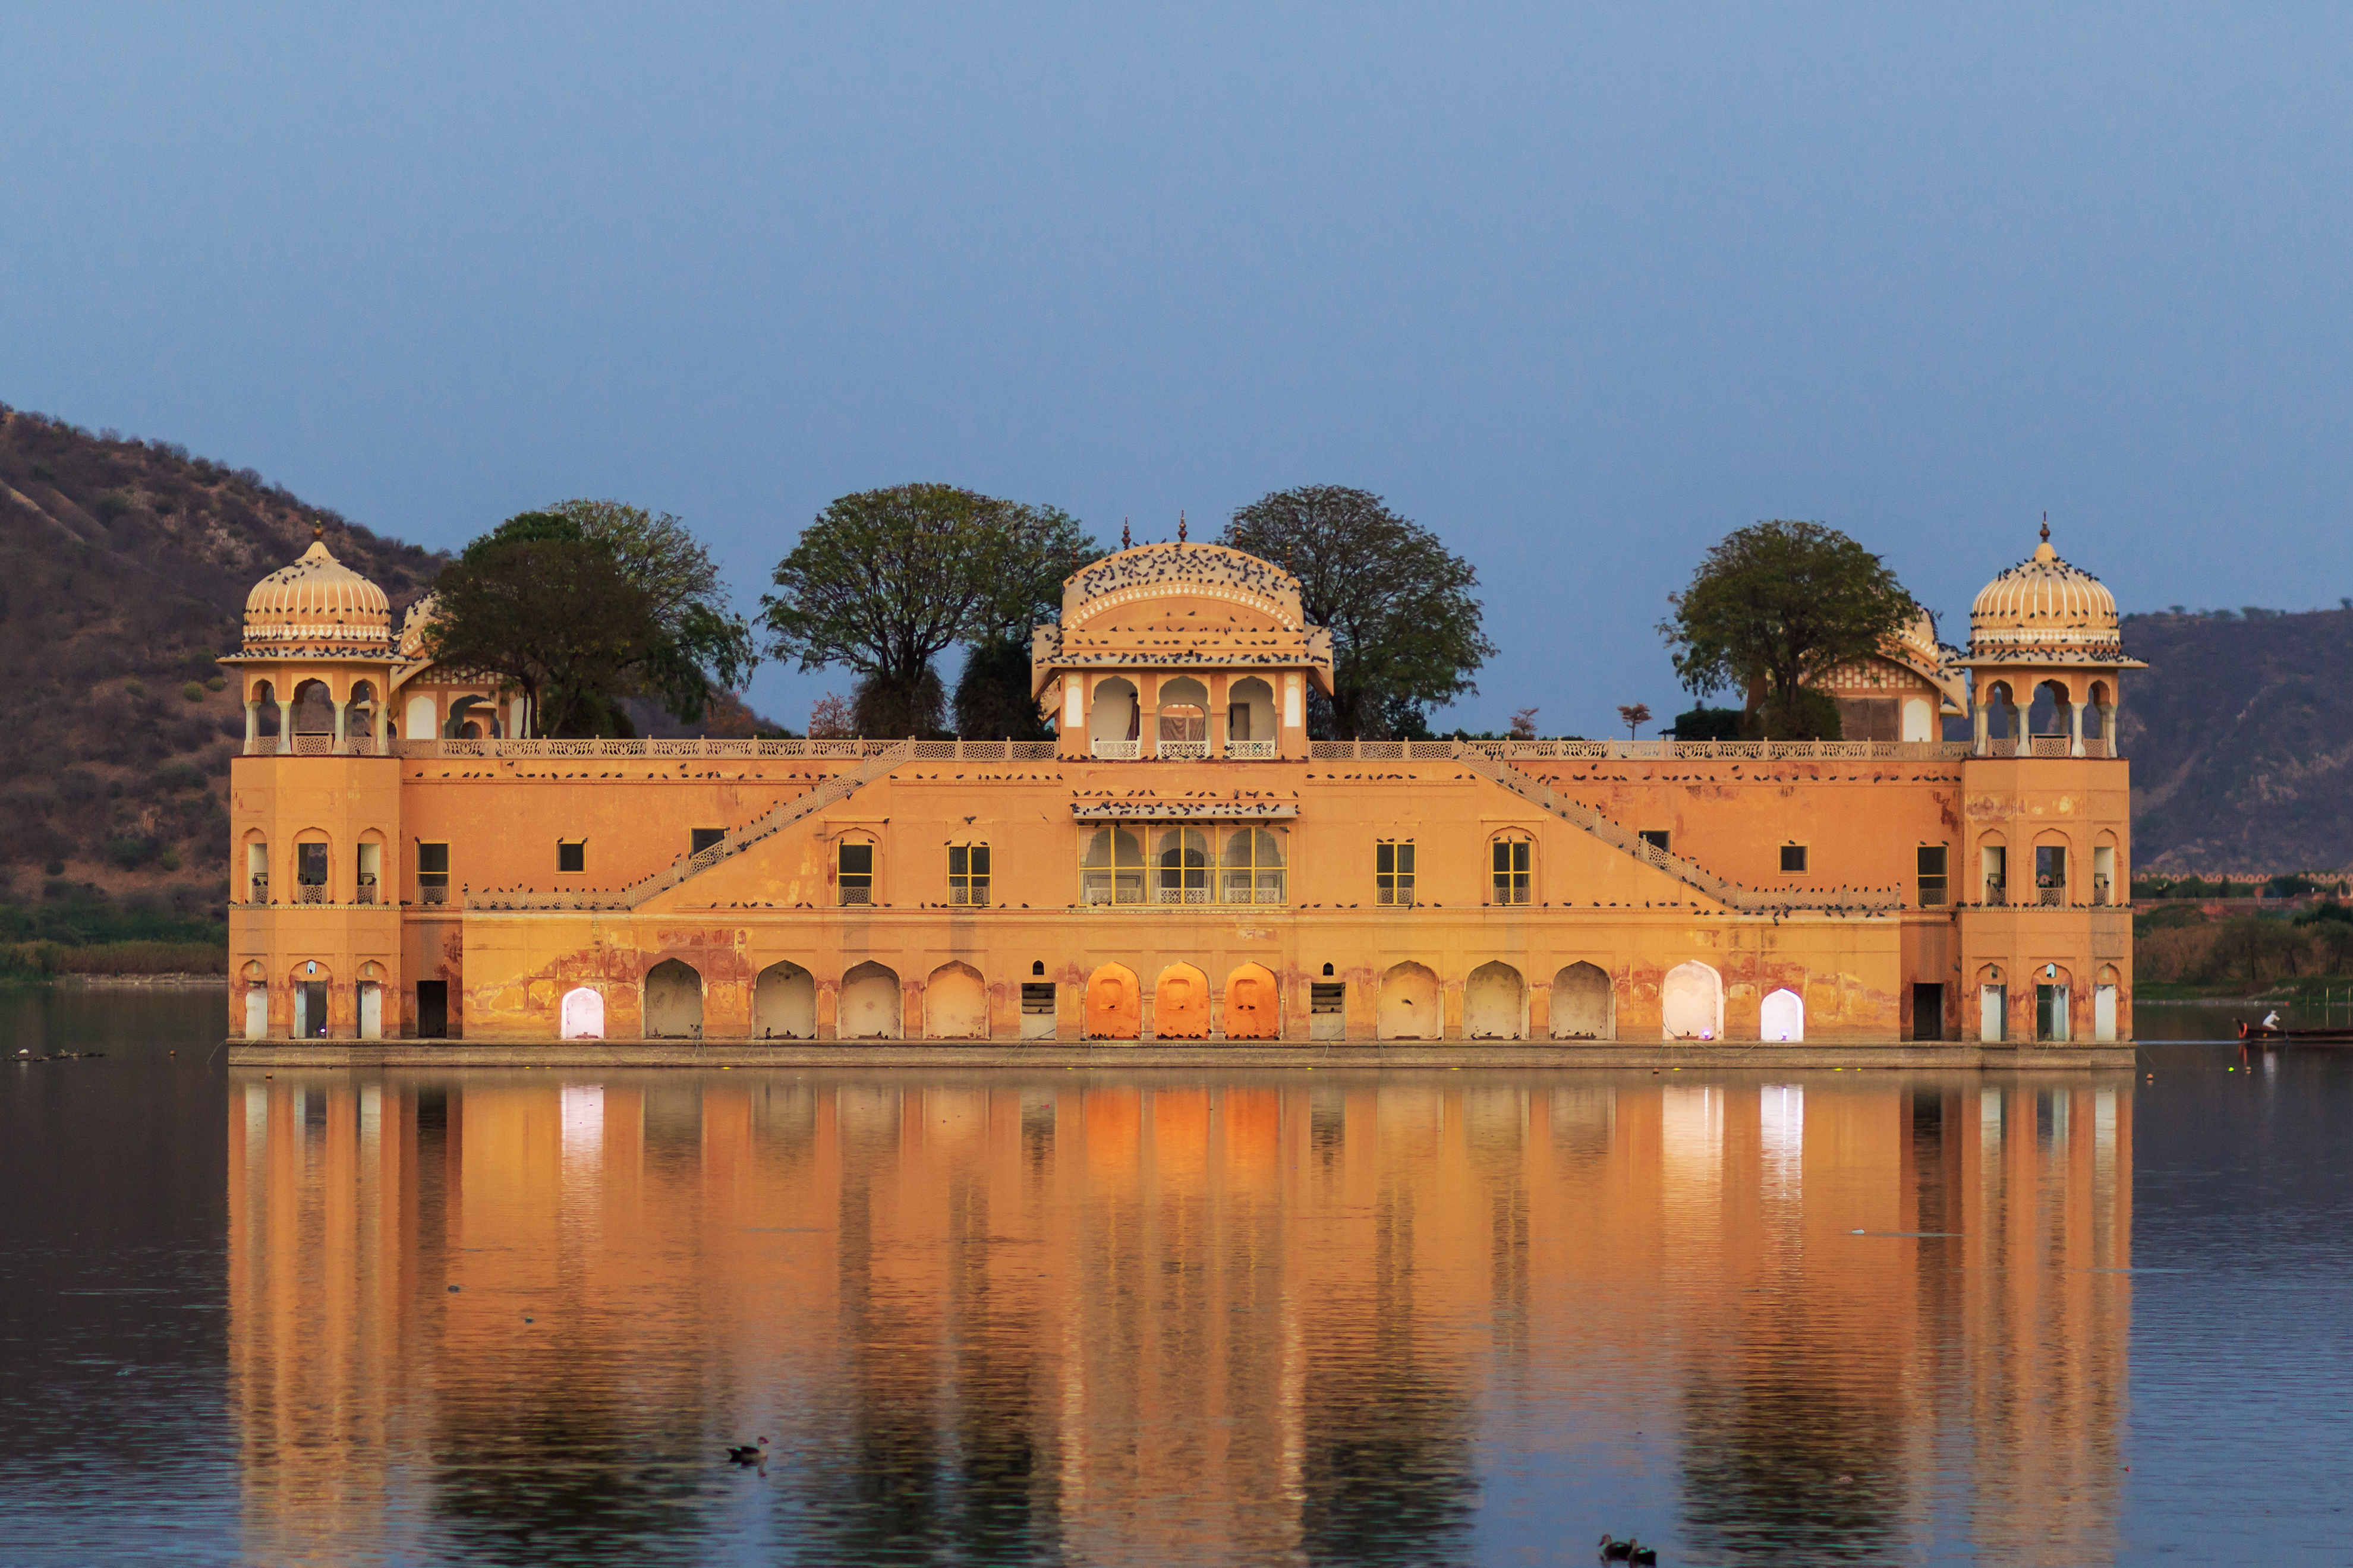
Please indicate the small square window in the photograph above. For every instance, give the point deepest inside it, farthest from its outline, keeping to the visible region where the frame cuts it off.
(1793, 859)
(1656, 837)
(572, 855)
(701, 838)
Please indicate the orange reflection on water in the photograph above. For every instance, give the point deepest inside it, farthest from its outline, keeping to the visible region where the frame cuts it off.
(1112, 1320)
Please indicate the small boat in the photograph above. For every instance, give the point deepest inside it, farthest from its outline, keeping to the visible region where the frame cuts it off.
(2264, 1035)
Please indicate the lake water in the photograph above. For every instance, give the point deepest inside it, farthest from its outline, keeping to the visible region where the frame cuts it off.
(1152, 1318)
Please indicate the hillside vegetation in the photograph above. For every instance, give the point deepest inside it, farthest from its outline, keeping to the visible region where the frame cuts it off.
(123, 570)
(2240, 737)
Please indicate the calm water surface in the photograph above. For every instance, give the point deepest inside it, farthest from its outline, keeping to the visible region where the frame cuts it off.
(1112, 1318)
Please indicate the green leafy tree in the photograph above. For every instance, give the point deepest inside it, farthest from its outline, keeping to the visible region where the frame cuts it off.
(1405, 630)
(885, 581)
(568, 621)
(1774, 607)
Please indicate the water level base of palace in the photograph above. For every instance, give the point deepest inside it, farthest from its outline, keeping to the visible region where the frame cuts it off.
(1414, 1053)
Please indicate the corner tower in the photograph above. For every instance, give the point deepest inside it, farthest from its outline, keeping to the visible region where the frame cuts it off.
(314, 808)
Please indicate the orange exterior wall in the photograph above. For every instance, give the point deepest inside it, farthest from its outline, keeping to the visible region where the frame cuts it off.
(1862, 824)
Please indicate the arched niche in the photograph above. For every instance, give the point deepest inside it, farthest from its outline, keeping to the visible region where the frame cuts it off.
(1254, 1005)
(956, 1004)
(314, 708)
(1583, 1007)
(1408, 1004)
(1184, 708)
(419, 724)
(583, 1016)
(673, 1001)
(783, 1004)
(869, 1007)
(1180, 1004)
(1919, 718)
(1691, 1002)
(1781, 1016)
(1115, 1008)
(1249, 710)
(1495, 1004)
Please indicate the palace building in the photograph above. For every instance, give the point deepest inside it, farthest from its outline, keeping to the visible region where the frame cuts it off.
(1183, 862)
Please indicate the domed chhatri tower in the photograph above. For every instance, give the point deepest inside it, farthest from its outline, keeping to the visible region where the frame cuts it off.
(2046, 630)
(2046, 920)
(315, 807)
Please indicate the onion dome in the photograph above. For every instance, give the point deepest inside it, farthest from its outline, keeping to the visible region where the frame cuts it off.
(317, 603)
(2044, 611)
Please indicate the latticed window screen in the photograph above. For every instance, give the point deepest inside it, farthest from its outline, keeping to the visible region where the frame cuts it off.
(1393, 871)
(1111, 868)
(967, 873)
(1251, 871)
(856, 864)
(1932, 875)
(1184, 868)
(1513, 859)
(432, 873)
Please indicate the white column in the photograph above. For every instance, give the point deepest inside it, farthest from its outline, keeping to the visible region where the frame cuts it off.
(252, 725)
(2076, 728)
(340, 722)
(382, 720)
(1984, 723)
(285, 729)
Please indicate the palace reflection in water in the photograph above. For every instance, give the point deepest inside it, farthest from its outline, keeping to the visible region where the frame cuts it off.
(1101, 1319)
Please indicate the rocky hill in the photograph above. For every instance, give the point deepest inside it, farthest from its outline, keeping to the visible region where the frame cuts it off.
(2241, 736)
(123, 570)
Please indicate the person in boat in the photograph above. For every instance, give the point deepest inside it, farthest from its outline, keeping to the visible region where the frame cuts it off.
(2271, 1019)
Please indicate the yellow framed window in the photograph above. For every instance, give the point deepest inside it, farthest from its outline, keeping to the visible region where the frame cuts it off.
(1111, 868)
(1250, 868)
(967, 873)
(1393, 871)
(855, 872)
(1514, 860)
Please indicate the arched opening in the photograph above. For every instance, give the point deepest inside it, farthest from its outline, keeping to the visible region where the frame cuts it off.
(1115, 718)
(359, 716)
(2050, 869)
(1582, 1005)
(2104, 985)
(1254, 1005)
(257, 869)
(255, 982)
(783, 1004)
(371, 1000)
(1184, 718)
(314, 708)
(1249, 713)
(314, 863)
(2050, 719)
(956, 1004)
(1993, 1006)
(1919, 718)
(1112, 869)
(1181, 867)
(311, 981)
(1691, 1002)
(869, 1004)
(1998, 721)
(471, 718)
(1180, 1004)
(2100, 730)
(1114, 1004)
(263, 713)
(582, 1018)
(1993, 869)
(2104, 869)
(673, 1001)
(1495, 1004)
(1408, 1006)
(419, 725)
(1782, 1016)
(1510, 860)
(2054, 991)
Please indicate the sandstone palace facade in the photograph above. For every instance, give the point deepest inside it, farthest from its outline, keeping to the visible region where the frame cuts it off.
(1183, 862)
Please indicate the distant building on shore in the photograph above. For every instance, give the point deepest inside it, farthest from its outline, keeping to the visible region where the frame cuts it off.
(1183, 862)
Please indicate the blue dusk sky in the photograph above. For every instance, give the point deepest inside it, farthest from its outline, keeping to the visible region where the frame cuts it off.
(1581, 289)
